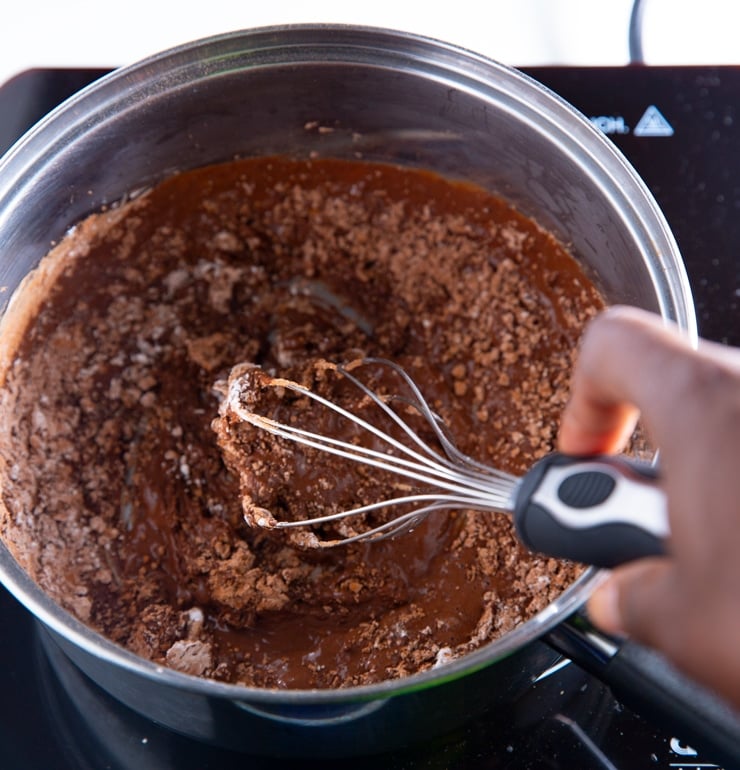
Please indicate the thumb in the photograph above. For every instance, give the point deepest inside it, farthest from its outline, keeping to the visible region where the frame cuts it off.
(647, 601)
(638, 600)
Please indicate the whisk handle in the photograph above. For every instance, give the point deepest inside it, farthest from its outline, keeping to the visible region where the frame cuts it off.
(600, 510)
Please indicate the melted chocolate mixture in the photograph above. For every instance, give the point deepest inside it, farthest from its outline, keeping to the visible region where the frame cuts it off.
(116, 496)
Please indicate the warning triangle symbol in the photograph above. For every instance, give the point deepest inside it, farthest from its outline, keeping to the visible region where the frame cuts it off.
(652, 123)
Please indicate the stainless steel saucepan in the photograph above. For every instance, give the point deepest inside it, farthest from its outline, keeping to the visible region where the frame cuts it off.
(394, 97)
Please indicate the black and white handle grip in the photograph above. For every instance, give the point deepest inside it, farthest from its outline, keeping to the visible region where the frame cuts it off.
(603, 510)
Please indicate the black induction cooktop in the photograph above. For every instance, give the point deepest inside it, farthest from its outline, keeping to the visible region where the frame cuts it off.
(680, 128)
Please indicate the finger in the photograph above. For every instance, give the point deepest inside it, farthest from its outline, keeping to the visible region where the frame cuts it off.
(637, 601)
(626, 357)
(648, 602)
(590, 427)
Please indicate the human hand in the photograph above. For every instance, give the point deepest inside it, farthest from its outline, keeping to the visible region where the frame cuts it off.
(686, 605)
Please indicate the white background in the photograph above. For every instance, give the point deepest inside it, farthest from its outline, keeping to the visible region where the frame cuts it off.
(78, 33)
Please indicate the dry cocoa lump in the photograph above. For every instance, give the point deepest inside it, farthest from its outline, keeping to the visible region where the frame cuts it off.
(117, 496)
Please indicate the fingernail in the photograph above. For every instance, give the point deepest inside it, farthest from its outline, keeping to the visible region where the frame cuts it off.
(603, 608)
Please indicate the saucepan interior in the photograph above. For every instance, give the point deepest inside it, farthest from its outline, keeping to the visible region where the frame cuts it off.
(390, 97)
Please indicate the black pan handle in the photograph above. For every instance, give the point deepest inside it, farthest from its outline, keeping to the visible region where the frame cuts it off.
(649, 685)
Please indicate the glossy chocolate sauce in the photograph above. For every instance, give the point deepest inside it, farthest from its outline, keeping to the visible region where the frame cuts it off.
(116, 494)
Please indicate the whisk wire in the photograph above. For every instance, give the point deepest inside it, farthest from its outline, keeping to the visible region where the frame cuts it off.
(437, 475)
(456, 458)
(464, 482)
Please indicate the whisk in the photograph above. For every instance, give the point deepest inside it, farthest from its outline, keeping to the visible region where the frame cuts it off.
(599, 510)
